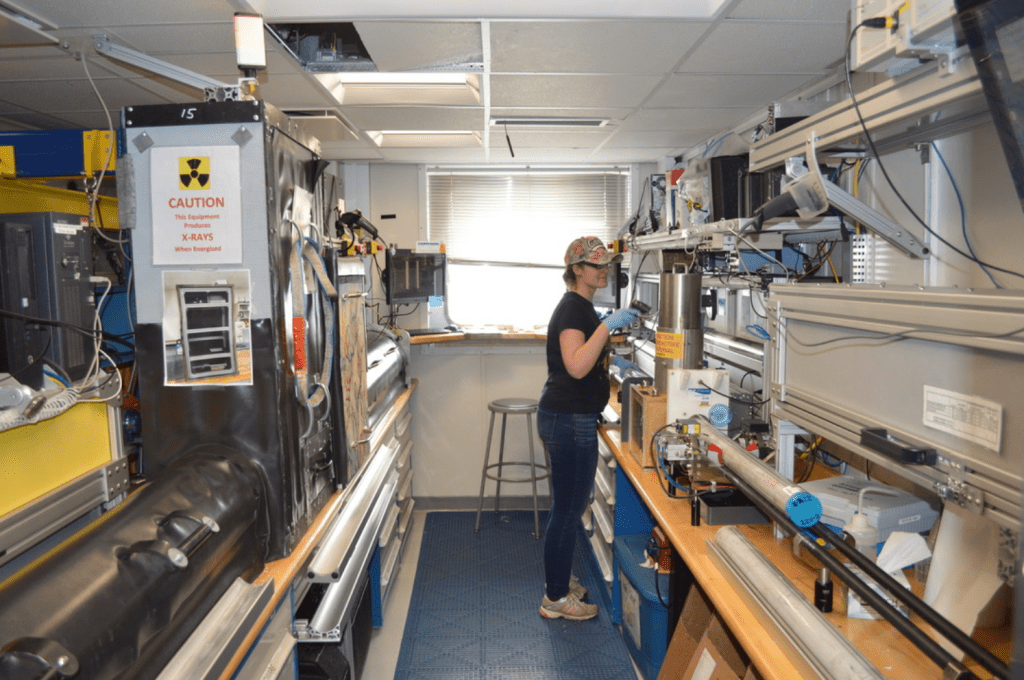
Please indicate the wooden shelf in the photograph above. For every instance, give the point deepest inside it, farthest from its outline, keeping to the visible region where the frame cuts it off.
(890, 652)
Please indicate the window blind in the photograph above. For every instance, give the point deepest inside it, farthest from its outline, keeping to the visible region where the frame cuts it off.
(523, 217)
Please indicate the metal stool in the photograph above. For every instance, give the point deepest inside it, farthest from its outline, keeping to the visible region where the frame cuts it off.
(506, 407)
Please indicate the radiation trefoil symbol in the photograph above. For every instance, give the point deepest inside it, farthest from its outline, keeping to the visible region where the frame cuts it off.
(194, 173)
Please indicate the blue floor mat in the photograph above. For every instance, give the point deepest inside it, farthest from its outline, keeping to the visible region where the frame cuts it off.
(474, 608)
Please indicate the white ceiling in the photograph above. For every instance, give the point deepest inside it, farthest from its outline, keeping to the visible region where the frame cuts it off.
(668, 74)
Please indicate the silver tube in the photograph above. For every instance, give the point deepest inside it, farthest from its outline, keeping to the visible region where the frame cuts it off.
(819, 642)
(340, 540)
(680, 332)
(803, 508)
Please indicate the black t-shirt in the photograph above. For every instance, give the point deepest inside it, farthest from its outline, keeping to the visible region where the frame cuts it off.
(562, 392)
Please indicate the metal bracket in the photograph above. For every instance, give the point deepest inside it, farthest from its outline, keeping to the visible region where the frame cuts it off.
(53, 660)
(961, 493)
(116, 479)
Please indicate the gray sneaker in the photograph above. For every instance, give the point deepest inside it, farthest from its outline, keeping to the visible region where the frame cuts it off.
(569, 607)
(576, 588)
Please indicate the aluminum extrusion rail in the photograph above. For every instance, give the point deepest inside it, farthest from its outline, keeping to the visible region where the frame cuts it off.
(916, 604)
(952, 668)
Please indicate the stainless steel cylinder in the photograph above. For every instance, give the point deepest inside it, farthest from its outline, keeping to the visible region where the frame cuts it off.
(680, 332)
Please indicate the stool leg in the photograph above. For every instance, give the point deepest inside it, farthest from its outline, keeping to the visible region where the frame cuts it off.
(533, 476)
(501, 462)
(483, 475)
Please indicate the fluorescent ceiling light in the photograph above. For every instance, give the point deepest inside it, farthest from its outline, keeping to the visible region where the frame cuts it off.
(425, 138)
(443, 88)
(534, 122)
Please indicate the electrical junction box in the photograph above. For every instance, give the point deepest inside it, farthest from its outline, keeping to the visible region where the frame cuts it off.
(924, 30)
(698, 392)
(902, 512)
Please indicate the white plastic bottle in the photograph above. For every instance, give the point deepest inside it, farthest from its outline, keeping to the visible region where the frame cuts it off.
(865, 536)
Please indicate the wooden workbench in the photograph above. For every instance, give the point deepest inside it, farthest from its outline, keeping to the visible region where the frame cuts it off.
(890, 652)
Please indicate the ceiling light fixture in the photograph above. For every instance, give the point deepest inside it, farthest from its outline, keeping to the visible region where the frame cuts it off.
(438, 88)
(537, 121)
(425, 138)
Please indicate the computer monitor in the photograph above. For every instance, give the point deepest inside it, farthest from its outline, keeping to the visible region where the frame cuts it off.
(412, 278)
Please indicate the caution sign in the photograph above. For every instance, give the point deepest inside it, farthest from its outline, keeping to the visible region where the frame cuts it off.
(669, 345)
(197, 207)
(194, 172)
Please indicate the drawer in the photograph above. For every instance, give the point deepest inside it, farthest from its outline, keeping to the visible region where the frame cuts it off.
(405, 485)
(404, 455)
(607, 489)
(402, 422)
(405, 515)
(588, 521)
(389, 560)
(603, 522)
(390, 527)
(603, 553)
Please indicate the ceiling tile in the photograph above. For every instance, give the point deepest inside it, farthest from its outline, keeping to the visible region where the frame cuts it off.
(530, 139)
(422, 44)
(591, 46)
(682, 119)
(801, 10)
(652, 140)
(723, 90)
(571, 91)
(780, 47)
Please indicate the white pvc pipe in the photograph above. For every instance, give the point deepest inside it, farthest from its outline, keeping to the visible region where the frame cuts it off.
(819, 641)
(803, 508)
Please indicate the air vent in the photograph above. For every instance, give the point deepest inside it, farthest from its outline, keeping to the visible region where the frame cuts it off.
(550, 122)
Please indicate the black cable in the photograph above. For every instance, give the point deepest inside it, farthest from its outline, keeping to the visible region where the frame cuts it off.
(38, 360)
(87, 332)
(878, 158)
(929, 647)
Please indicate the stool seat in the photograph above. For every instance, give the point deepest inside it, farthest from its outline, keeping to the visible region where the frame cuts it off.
(513, 405)
(535, 471)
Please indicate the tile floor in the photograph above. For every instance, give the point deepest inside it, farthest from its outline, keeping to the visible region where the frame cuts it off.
(386, 641)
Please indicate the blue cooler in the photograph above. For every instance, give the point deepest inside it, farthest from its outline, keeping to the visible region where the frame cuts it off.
(644, 617)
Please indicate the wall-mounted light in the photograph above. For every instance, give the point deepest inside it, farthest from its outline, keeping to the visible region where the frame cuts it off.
(250, 47)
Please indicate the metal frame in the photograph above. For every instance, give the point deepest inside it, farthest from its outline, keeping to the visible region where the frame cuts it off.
(963, 324)
(897, 112)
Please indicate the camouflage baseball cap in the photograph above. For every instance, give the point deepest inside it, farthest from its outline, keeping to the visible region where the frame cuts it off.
(590, 249)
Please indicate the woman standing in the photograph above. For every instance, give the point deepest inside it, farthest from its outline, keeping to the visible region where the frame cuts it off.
(573, 397)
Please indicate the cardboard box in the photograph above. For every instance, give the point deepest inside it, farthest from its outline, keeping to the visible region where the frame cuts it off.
(647, 413)
(693, 622)
(752, 674)
(709, 664)
(718, 656)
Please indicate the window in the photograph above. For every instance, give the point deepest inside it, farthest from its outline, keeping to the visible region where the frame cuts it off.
(506, 233)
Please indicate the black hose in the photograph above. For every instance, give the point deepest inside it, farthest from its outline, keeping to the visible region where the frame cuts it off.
(915, 604)
(932, 649)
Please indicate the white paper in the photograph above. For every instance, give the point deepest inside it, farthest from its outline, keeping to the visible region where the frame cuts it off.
(962, 577)
(197, 206)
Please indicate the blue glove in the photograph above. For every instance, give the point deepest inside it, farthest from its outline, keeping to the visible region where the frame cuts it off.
(623, 365)
(620, 318)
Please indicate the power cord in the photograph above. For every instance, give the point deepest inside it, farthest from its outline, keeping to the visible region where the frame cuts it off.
(892, 22)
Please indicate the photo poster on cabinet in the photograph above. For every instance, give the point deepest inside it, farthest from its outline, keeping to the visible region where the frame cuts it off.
(206, 329)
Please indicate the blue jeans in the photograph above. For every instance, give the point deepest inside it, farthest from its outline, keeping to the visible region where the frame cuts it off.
(571, 439)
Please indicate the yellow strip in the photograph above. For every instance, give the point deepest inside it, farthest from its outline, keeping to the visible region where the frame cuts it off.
(36, 459)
